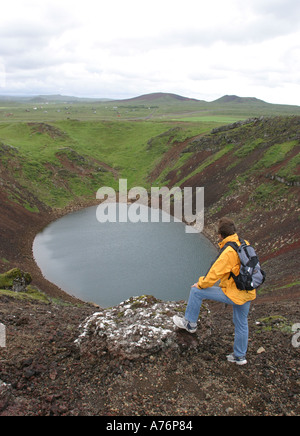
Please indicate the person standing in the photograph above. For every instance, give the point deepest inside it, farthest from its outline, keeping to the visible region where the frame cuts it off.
(225, 292)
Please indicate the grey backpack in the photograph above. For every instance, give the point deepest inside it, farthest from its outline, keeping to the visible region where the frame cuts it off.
(251, 275)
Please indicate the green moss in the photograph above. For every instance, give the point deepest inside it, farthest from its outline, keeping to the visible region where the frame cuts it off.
(289, 170)
(274, 322)
(268, 194)
(31, 294)
(7, 279)
(275, 154)
(248, 147)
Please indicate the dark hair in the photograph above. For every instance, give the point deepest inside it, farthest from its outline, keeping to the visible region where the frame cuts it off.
(226, 227)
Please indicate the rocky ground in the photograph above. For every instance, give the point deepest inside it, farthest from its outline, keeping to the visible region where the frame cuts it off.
(43, 371)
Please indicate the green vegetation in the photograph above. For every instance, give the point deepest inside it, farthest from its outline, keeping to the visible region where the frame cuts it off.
(16, 284)
(275, 154)
(58, 151)
(209, 161)
(267, 194)
(149, 107)
(32, 294)
(274, 322)
(248, 147)
(62, 160)
(288, 171)
(8, 279)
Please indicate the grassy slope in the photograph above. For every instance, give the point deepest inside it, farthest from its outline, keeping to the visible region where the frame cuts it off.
(58, 161)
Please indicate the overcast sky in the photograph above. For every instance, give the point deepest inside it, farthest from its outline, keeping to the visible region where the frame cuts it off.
(202, 49)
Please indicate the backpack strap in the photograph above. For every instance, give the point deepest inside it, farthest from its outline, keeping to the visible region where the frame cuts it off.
(234, 245)
(245, 246)
(243, 243)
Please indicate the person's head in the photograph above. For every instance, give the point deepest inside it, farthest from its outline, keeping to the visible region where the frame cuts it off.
(226, 227)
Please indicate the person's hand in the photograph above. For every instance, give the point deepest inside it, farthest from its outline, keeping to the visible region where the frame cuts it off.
(195, 285)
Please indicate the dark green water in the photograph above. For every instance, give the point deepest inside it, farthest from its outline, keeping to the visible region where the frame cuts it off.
(111, 262)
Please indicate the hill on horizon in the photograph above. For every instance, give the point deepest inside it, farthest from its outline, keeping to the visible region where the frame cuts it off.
(237, 99)
(151, 97)
(154, 106)
(162, 96)
(157, 96)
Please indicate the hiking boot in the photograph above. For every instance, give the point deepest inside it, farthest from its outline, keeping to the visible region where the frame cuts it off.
(182, 323)
(238, 360)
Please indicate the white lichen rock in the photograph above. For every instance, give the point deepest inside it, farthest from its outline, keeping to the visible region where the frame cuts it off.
(138, 327)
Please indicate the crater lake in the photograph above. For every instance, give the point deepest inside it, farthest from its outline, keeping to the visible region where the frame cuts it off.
(107, 263)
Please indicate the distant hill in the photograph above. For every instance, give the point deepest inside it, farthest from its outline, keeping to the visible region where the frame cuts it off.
(236, 99)
(157, 96)
(167, 104)
(157, 105)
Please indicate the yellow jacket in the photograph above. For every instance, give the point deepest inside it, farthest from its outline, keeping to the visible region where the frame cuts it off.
(225, 264)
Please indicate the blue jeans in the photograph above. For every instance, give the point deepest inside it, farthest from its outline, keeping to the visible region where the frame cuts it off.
(240, 314)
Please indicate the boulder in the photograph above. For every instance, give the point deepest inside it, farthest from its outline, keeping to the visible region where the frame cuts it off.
(15, 280)
(139, 327)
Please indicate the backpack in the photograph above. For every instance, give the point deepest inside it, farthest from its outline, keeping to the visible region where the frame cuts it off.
(251, 275)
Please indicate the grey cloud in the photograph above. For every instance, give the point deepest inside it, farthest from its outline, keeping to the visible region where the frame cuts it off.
(34, 60)
(34, 31)
(17, 45)
(30, 48)
(259, 21)
(281, 10)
